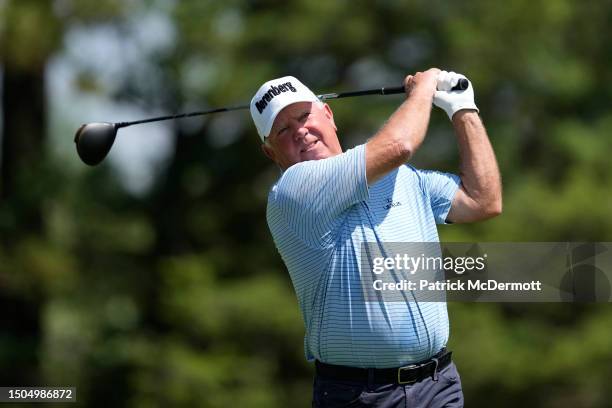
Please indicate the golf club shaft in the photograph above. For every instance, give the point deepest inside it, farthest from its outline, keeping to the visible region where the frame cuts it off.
(462, 84)
(180, 115)
(377, 91)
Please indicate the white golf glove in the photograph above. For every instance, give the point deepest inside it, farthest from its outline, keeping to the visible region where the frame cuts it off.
(453, 101)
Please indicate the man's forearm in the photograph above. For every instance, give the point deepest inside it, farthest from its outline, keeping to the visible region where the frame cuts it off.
(400, 137)
(409, 123)
(403, 133)
(479, 171)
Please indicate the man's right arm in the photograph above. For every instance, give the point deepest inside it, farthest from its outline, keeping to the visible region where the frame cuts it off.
(405, 130)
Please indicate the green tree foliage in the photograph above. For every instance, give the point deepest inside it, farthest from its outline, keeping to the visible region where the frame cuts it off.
(178, 297)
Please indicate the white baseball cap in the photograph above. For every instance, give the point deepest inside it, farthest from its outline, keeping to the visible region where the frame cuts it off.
(272, 97)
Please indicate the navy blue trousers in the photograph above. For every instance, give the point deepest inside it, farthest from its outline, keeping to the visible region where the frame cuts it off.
(445, 391)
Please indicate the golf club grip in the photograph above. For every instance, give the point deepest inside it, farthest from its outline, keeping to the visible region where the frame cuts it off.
(462, 85)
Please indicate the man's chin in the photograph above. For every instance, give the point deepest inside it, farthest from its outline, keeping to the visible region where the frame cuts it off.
(316, 154)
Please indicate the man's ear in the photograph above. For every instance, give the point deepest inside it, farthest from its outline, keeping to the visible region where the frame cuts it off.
(268, 151)
(330, 115)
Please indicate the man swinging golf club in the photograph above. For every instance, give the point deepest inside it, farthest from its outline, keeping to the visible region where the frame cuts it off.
(327, 202)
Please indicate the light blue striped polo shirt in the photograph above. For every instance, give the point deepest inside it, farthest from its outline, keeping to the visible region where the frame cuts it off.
(319, 213)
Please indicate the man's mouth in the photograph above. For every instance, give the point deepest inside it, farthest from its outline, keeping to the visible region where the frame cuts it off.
(309, 146)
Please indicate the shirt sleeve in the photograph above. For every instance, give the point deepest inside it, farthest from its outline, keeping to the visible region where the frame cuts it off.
(311, 196)
(440, 188)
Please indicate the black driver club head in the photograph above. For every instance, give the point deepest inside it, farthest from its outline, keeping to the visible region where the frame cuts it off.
(94, 141)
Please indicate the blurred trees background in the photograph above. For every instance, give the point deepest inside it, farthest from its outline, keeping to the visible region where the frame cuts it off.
(168, 290)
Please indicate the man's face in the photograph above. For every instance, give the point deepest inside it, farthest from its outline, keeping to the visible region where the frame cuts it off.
(302, 131)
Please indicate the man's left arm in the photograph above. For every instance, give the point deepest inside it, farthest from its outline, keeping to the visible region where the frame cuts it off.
(480, 194)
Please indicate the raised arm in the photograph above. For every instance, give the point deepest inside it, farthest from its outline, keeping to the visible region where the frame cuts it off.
(405, 130)
(480, 195)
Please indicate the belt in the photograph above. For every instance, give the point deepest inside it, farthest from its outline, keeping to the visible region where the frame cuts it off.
(408, 374)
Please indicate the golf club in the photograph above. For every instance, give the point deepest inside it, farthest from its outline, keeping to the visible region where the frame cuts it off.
(94, 140)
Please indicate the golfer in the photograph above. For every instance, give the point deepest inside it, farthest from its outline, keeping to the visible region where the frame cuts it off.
(327, 202)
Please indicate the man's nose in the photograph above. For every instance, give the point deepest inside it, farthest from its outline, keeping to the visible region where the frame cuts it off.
(300, 133)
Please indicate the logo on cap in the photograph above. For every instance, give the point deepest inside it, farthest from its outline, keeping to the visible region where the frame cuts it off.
(271, 93)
